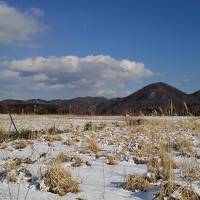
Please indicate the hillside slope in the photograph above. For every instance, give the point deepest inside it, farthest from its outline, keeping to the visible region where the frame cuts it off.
(157, 98)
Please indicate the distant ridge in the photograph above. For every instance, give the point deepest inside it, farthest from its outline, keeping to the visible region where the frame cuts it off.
(196, 95)
(157, 98)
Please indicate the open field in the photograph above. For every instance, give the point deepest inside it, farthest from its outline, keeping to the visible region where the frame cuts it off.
(91, 158)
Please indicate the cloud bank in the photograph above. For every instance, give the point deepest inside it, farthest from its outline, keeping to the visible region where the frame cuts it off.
(91, 75)
(17, 26)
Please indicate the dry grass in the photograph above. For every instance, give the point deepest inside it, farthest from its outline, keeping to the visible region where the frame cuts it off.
(112, 160)
(69, 142)
(62, 157)
(51, 138)
(76, 162)
(166, 190)
(135, 182)
(168, 165)
(28, 161)
(153, 168)
(187, 193)
(93, 145)
(84, 150)
(139, 161)
(53, 131)
(3, 136)
(12, 165)
(26, 172)
(60, 181)
(130, 121)
(89, 126)
(183, 145)
(149, 142)
(11, 177)
(21, 144)
(191, 170)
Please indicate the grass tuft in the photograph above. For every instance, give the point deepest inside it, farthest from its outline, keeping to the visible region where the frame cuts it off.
(135, 182)
(60, 181)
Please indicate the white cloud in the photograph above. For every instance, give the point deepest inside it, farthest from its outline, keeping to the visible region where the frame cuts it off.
(106, 92)
(187, 80)
(91, 75)
(46, 87)
(17, 26)
(40, 77)
(8, 74)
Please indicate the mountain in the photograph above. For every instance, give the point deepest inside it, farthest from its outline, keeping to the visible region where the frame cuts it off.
(196, 95)
(157, 98)
(154, 97)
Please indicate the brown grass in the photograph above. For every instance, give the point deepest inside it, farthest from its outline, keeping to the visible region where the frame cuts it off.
(183, 145)
(51, 138)
(26, 172)
(28, 161)
(21, 144)
(153, 167)
(60, 181)
(3, 135)
(135, 182)
(166, 190)
(76, 162)
(12, 165)
(11, 177)
(89, 126)
(93, 145)
(130, 121)
(69, 142)
(187, 193)
(191, 170)
(168, 165)
(112, 160)
(62, 157)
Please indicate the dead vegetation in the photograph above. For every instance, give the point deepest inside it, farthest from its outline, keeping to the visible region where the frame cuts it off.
(112, 160)
(155, 144)
(167, 189)
(135, 182)
(89, 144)
(13, 164)
(21, 144)
(60, 181)
(191, 170)
(51, 138)
(184, 146)
(76, 161)
(188, 193)
(69, 142)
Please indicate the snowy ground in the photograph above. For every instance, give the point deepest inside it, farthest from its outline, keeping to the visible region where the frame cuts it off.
(100, 180)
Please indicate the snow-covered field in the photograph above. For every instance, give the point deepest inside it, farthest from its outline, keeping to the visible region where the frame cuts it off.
(102, 152)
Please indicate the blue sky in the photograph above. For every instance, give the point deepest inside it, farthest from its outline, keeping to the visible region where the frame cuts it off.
(159, 39)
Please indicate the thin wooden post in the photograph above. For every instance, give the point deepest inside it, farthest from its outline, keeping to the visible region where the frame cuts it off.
(12, 121)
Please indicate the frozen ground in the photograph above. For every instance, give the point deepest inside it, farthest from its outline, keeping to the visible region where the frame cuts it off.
(114, 136)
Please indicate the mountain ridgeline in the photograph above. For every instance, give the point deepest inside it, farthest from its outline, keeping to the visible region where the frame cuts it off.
(154, 99)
